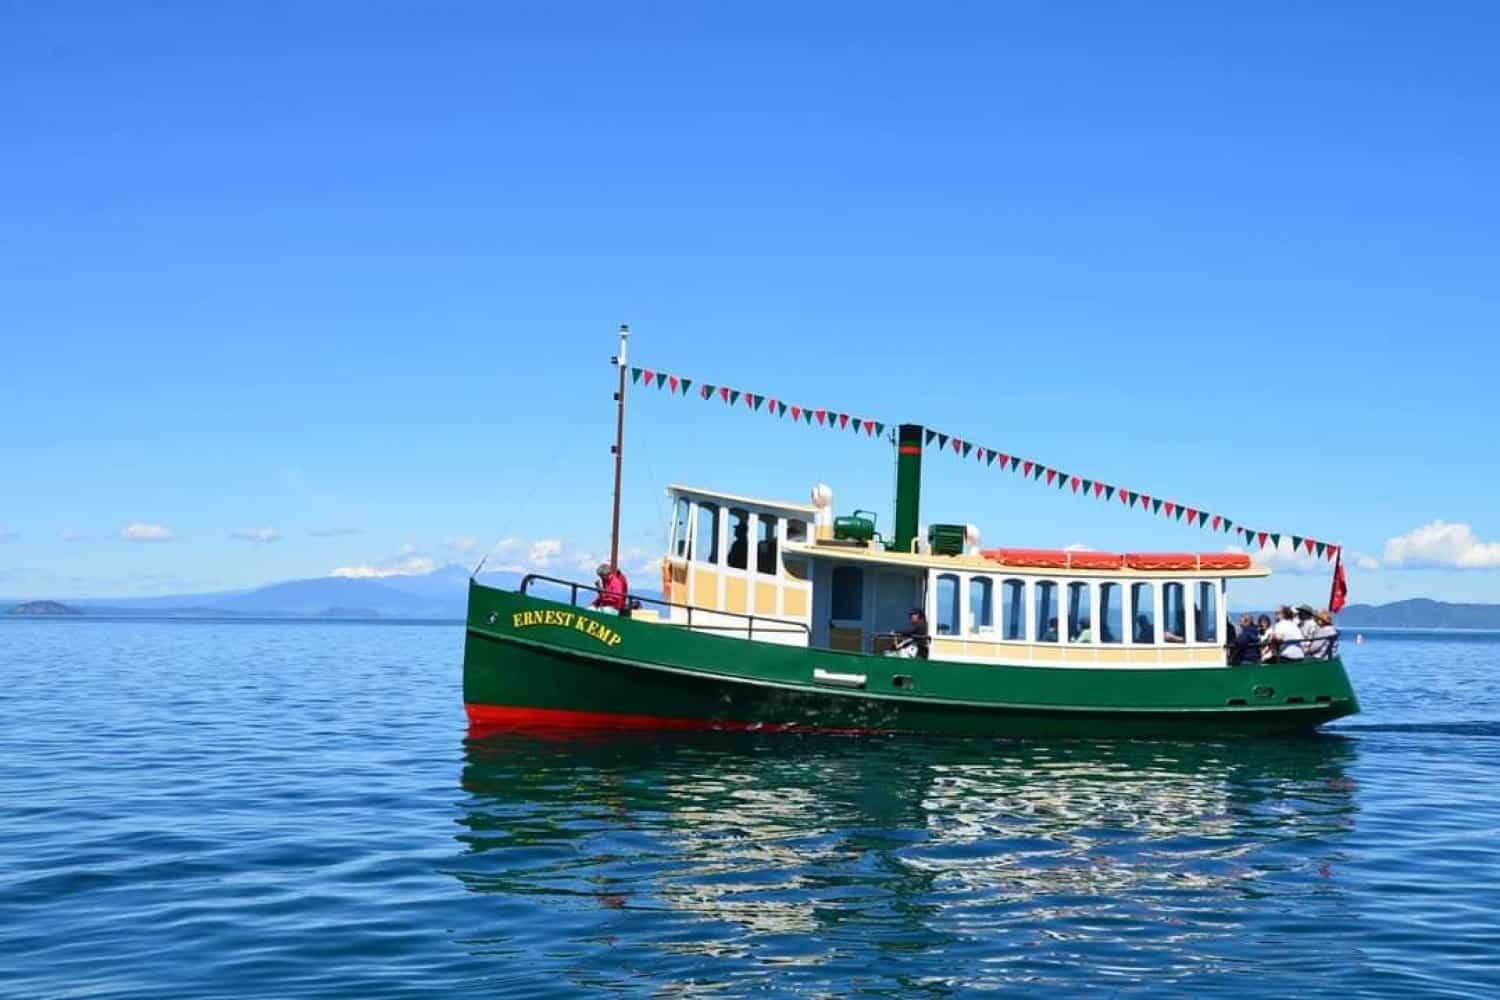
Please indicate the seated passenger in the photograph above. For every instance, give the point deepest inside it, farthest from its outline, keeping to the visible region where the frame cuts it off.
(1267, 642)
(1145, 634)
(1050, 633)
(612, 597)
(913, 640)
(1084, 635)
(1288, 637)
(1245, 649)
(1320, 646)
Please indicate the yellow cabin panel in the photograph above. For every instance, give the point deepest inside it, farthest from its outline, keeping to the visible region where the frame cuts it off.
(795, 601)
(765, 598)
(736, 594)
(705, 588)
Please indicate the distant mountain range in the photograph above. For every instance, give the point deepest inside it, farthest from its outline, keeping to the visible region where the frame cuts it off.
(1421, 613)
(439, 594)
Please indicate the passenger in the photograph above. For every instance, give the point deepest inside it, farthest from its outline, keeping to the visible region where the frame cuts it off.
(1305, 623)
(1050, 635)
(1267, 643)
(1320, 646)
(1244, 650)
(1084, 635)
(614, 590)
(1144, 633)
(914, 639)
(739, 548)
(1288, 637)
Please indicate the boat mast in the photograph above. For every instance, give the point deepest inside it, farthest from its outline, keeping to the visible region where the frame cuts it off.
(618, 449)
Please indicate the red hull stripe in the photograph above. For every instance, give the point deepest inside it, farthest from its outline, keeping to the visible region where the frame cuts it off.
(517, 717)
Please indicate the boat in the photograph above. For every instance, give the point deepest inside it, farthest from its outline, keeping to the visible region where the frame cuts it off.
(780, 615)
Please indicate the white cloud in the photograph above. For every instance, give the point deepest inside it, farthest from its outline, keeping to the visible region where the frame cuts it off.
(464, 545)
(6, 535)
(1442, 545)
(543, 552)
(138, 531)
(265, 535)
(406, 566)
(1284, 559)
(1365, 562)
(508, 544)
(333, 532)
(1078, 547)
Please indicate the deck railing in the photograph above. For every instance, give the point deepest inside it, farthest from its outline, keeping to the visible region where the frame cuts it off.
(767, 626)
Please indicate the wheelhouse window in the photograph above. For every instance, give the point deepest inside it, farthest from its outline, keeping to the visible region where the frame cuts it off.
(1111, 613)
(1143, 613)
(796, 531)
(765, 544)
(947, 604)
(1206, 613)
(981, 604)
(1080, 614)
(848, 597)
(739, 538)
(680, 542)
(1013, 607)
(1046, 610)
(707, 548)
(1173, 613)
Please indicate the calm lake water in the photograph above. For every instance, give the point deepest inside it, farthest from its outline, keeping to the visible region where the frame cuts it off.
(253, 809)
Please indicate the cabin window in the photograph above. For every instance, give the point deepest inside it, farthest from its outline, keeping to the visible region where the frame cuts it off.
(1046, 610)
(1173, 613)
(739, 538)
(1080, 614)
(1013, 605)
(765, 544)
(1111, 613)
(680, 523)
(848, 598)
(796, 531)
(1206, 613)
(981, 604)
(707, 547)
(947, 604)
(1143, 613)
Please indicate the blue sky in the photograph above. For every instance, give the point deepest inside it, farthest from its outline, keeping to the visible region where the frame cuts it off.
(298, 288)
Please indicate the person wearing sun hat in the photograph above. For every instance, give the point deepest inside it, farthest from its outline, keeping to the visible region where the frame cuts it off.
(1305, 623)
(1320, 646)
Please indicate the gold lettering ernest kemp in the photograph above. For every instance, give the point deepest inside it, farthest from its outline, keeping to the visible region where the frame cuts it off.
(566, 619)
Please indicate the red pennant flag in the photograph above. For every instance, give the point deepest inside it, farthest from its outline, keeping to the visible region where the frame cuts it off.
(1339, 593)
(1333, 552)
(647, 376)
(1217, 521)
(979, 455)
(1025, 468)
(1076, 483)
(672, 381)
(957, 444)
(843, 420)
(1262, 537)
(1004, 460)
(724, 393)
(1051, 475)
(1125, 498)
(869, 428)
(1098, 490)
(821, 415)
(1308, 545)
(1145, 501)
(1170, 507)
(1192, 516)
(796, 412)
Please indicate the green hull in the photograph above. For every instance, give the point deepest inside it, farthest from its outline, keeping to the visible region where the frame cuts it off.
(530, 662)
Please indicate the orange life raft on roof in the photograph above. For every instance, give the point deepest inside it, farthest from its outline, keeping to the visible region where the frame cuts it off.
(1157, 562)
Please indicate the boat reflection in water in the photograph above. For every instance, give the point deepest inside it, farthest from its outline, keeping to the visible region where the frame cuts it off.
(958, 860)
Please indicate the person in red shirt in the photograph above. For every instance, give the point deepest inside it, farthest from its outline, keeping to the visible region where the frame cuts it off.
(614, 590)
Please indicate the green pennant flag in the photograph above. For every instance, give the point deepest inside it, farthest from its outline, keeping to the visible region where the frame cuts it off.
(1156, 506)
(807, 415)
(635, 374)
(989, 457)
(930, 435)
(879, 428)
(1037, 472)
(1321, 549)
(686, 384)
(734, 396)
(1275, 540)
(661, 380)
(1296, 543)
(1015, 463)
(942, 440)
(1228, 525)
(1062, 480)
(1088, 486)
(1180, 511)
(1249, 535)
(967, 448)
(756, 401)
(1109, 492)
(780, 409)
(1130, 498)
(708, 390)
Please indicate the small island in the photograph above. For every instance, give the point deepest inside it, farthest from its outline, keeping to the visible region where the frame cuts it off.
(42, 609)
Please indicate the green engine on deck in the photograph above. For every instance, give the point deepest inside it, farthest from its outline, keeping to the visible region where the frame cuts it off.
(857, 527)
(946, 539)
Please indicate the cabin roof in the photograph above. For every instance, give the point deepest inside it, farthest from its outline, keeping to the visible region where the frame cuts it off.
(782, 505)
(826, 549)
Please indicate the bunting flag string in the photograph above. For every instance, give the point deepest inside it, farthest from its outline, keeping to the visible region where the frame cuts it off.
(991, 458)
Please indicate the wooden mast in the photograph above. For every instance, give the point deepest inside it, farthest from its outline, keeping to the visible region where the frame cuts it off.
(618, 449)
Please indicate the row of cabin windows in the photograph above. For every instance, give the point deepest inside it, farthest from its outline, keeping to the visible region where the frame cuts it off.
(705, 543)
(1083, 624)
